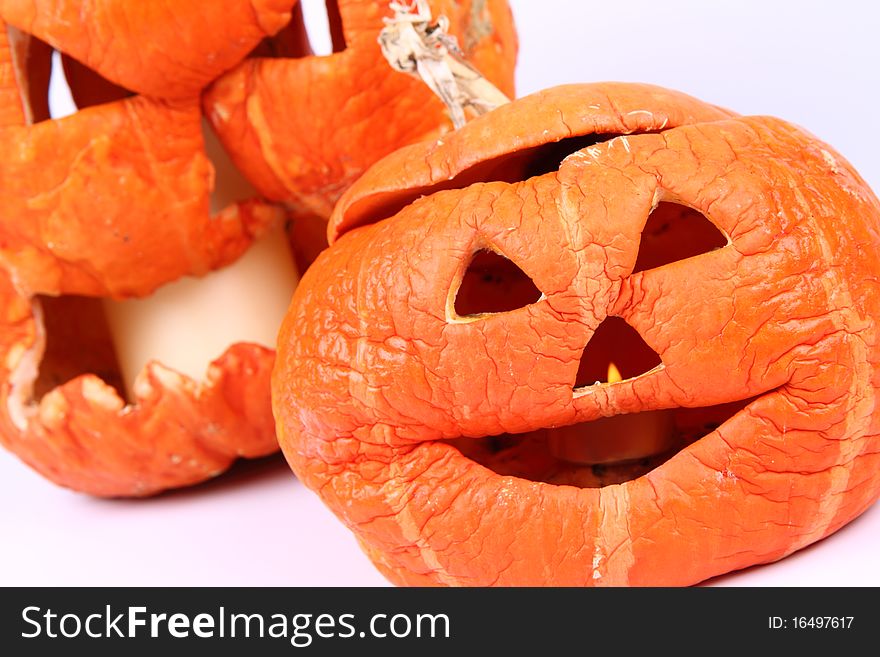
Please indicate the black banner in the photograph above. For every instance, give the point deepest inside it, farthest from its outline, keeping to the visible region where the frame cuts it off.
(421, 622)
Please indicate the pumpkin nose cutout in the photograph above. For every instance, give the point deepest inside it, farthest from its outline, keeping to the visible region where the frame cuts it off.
(493, 284)
(615, 352)
(675, 232)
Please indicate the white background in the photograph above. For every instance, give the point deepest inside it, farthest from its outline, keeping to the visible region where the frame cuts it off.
(815, 63)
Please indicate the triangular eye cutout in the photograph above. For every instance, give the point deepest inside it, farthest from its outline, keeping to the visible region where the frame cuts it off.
(615, 352)
(493, 284)
(87, 87)
(55, 85)
(674, 232)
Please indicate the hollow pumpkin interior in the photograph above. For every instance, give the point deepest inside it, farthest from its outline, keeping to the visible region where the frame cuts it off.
(78, 339)
(529, 455)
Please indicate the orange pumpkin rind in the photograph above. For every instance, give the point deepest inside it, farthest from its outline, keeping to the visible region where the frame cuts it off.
(176, 432)
(163, 50)
(303, 129)
(379, 388)
(114, 202)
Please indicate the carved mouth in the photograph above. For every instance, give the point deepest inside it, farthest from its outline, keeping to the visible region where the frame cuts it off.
(532, 455)
(78, 342)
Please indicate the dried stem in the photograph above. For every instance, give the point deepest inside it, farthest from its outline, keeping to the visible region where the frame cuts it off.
(414, 45)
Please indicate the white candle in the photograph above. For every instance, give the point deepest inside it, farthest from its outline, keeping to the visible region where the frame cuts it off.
(188, 323)
(615, 439)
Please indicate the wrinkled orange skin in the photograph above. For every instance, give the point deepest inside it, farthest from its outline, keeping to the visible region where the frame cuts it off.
(151, 205)
(179, 432)
(114, 201)
(162, 49)
(374, 369)
(303, 129)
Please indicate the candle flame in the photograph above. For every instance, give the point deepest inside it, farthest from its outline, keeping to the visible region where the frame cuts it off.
(613, 373)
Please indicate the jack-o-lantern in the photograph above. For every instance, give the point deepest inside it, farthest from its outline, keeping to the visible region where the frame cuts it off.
(114, 201)
(604, 335)
(302, 128)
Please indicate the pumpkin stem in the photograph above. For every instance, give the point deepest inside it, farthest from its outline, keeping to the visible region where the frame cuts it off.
(425, 50)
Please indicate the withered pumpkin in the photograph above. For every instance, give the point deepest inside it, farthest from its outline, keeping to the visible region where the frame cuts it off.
(302, 128)
(114, 201)
(444, 376)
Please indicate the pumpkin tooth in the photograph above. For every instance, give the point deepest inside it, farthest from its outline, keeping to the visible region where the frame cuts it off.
(102, 395)
(22, 363)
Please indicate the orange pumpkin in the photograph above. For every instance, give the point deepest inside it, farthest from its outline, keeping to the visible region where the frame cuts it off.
(302, 128)
(165, 50)
(115, 202)
(441, 374)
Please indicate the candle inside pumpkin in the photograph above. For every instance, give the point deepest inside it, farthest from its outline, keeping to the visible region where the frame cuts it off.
(188, 323)
(617, 438)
